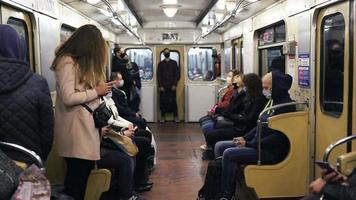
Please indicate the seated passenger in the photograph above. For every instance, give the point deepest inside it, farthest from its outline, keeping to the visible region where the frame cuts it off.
(333, 186)
(135, 98)
(274, 144)
(244, 119)
(141, 137)
(207, 121)
(121, 102)
(26, 115)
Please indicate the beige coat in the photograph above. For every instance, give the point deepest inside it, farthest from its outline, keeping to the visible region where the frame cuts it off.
(75, 132)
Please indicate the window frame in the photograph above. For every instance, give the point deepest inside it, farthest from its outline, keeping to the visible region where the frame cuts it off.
(152, 69)
(212, 48)
(322, 69)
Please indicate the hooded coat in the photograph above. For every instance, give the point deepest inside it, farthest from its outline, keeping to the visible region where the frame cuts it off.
(26, 115)
(274, 144)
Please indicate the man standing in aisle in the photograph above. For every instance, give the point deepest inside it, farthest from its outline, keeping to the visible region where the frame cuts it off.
(168, 76)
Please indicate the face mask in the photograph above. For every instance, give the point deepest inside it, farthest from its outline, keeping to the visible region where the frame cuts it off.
(267, 93)
(244, 88)
(109, 95)
(121, 83)
(235, 85)
(122, 55)
(228, 80)
(166, 55)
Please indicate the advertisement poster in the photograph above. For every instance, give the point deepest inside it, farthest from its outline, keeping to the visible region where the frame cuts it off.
(304, 70)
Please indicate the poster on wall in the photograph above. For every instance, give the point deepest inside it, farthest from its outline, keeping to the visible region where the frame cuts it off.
(304, 70)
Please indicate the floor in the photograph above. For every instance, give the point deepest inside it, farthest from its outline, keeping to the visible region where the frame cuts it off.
(180, 171)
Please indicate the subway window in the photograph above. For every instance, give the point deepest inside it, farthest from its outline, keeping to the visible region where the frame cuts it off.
(332, 64)
(66, 32)
(227, 53)
(20, 26)
(143, 58)
(203, 64)
(270, 50)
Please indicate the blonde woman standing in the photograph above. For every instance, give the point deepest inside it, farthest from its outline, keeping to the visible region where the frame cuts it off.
(79, 68)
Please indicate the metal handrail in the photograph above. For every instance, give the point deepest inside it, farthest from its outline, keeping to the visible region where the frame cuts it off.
(332, 146)
(260, 122)
(37, 159)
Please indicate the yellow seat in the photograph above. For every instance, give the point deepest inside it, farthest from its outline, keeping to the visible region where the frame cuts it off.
(98, 181)
(346, 163)
(288, 178)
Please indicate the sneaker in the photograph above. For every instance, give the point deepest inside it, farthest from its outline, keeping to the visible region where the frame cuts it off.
(204, 147)
(208, 155)
(136, 197)
(226, 196)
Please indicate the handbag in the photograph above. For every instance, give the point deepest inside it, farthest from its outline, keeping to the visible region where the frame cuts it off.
(101, 114)
(222, 122)
(114, 140)
(9, 174)
(33, 185)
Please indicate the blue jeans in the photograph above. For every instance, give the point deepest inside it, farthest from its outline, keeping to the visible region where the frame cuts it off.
(207, 125)
(232, 158)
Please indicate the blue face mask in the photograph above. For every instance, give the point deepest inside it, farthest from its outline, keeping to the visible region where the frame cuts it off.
(267, 93)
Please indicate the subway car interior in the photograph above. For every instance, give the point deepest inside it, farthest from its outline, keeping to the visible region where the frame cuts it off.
(207, 99)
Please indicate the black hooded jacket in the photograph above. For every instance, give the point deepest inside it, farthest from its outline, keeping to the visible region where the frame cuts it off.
(274, 144)
(26, 115)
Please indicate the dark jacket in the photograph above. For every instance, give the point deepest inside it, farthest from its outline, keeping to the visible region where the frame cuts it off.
(274, 144)
(236, 104)
(121, 104)
(135, 74)
(26, 115)
(246, 119)
(168, 74)
(118, 65)
(225, 100)
(335, 191)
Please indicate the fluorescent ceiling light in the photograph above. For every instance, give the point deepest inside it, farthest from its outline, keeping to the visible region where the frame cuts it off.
(115, 21)
(206, 20)
(220, 5)
(239, 10)
(219, 16)
(170, 1)
(170, 10)
(230, 5)
(106, 13)
(204, 29)
(251, 1)
(120, 5)
(93, 1)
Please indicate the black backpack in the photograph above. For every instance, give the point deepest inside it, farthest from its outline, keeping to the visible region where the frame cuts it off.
(212, 184)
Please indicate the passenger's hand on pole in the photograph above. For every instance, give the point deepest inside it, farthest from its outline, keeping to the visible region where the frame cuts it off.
(173, 88)
(104, 88)
(317, 185)
(161, 89)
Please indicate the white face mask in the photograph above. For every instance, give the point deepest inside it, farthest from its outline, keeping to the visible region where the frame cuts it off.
(267, 93)
(109, 95)
(121, 83)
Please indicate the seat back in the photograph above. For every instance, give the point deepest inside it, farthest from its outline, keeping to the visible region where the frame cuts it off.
(98, 181)
(288, 178)
(346, 163)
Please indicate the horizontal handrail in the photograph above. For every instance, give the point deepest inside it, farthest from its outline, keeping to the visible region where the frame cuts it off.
(333, 145)
(260, 122)
(25, 151)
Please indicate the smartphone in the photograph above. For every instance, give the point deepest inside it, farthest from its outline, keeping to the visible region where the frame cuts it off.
(325, 165)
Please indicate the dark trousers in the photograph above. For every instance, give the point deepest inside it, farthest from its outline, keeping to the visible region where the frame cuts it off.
(215, 135)
(168, 102)
(78, 171)
(139, 122)
(232, 159)
(311, 197)
(123, 166)
(144, 147)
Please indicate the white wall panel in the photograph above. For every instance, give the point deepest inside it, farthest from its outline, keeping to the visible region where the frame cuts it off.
(148, 102)
(200, 99)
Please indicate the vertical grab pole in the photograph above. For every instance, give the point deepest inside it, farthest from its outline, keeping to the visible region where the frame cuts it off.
(259, 141)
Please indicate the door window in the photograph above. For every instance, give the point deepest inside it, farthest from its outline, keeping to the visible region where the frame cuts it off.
(143, 58)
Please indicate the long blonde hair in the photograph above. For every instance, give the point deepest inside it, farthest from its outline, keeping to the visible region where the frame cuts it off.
(88, 49)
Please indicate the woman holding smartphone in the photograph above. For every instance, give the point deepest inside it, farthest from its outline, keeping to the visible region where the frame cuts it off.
(79, 68)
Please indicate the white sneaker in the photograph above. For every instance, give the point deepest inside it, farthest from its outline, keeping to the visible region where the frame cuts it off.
(203, 147)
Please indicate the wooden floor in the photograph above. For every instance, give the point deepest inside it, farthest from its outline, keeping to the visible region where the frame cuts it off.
(180, 171)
